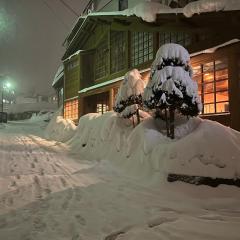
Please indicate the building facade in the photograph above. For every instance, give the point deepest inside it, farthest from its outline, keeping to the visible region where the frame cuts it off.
(102, 47)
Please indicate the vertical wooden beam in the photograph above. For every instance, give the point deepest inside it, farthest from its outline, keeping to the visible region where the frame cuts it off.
(111, 99)
(234, 90)
(129, 50)
(80, 106)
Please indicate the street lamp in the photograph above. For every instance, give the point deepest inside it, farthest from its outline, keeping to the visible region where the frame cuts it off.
(4, 87)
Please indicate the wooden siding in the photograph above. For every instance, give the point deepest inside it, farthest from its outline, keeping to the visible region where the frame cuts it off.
(71, 77)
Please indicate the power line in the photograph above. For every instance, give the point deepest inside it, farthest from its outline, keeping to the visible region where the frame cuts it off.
(69, 8)
(55, 14)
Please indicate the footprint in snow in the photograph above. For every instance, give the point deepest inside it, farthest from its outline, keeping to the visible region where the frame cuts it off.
(80, 219)
(158, 221)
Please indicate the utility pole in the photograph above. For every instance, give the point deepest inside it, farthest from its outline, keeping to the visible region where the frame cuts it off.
(1, 84)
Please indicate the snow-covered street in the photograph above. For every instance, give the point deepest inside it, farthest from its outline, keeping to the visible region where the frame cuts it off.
(47, 194)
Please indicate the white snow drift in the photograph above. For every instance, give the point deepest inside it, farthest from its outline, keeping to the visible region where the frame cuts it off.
(201, 147)
(60, 129)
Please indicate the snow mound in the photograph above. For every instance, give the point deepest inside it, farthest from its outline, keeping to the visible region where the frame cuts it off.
(202, 6)
(60, 129)
(147, 10)
(201, 147)
(44, 115)
(171, 51)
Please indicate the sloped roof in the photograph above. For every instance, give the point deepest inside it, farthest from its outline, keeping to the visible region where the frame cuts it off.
(59, 74)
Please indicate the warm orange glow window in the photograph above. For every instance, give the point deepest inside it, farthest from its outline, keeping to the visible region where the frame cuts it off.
(71, 109)
(212, 79)
(102, 108)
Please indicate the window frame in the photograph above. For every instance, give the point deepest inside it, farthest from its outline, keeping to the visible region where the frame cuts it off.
(142, 48)
(202, 84)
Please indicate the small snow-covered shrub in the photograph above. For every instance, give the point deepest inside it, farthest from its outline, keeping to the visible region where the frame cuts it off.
(129, 97)
(170, 87)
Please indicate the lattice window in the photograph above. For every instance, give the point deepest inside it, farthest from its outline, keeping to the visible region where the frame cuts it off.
(181, 38)
(141, 47)
(118, 51)
(71, 109)
(212, 79)
(101, 59)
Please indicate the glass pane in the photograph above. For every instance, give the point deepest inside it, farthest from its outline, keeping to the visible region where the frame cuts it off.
(209, 108)
(209, 88)
(208, 77)
(222, 96)
(197, 70)
(222, 107)
(222, 85)
(221, 64)
(221, 74)
(208, 67)
(209, 98)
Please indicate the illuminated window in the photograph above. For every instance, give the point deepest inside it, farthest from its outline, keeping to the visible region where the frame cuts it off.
(142, 47)
(71, 109)
(102, 108)
(118, 51)
(212, 79)
(181, 38)
(101, 59)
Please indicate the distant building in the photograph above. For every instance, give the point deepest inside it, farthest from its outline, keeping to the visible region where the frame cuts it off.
(102, 47)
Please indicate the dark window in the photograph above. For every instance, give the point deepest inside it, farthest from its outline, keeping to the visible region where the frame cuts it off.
(212, 79)
(118, 51)
(181, 38)
(101, 59)
(141, 47)
(122, 5)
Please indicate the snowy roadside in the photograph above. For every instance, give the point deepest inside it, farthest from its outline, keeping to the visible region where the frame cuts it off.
(46, 194)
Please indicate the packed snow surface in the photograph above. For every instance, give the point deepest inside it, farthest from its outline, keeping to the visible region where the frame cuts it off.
(108, 182)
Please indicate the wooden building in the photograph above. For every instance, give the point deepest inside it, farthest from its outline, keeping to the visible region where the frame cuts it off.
(102, 47)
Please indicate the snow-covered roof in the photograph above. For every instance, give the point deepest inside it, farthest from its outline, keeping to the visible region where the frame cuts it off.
(213, 49)
(149, 10)
(59, 74)
(107, 82)
(71, 56)
(203, 6)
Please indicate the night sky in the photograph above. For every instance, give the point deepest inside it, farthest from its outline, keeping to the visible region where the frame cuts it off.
(31, 37)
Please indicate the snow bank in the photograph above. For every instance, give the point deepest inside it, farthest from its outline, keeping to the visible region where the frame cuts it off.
(202, 6)
(43, 115)
(60, 129)
(201, 147)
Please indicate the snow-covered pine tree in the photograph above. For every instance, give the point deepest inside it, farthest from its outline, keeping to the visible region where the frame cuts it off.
(170, 87)
(129, 97)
